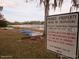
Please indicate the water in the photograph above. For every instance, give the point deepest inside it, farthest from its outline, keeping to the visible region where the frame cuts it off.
(38, 27)
(33, 33)
(30, 33)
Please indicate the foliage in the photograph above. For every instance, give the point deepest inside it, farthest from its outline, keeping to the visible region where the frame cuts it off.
(57, 3)
(3, 22)
(1, 8)
(34, 22)
(27, 22)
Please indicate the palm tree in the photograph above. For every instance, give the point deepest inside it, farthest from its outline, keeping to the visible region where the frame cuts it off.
(57, 3)
(74, 5)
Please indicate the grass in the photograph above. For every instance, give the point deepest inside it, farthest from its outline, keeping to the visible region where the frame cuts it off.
(13, 43)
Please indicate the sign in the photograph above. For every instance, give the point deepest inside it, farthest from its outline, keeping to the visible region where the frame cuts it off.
(62, 34)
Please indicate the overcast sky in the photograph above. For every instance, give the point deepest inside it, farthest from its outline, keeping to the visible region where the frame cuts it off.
(19, 10)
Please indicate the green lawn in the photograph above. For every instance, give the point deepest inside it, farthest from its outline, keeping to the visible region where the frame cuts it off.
(13, 43)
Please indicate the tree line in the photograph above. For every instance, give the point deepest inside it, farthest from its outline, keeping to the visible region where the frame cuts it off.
(26, 22)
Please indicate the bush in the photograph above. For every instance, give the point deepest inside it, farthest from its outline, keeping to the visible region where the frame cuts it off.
(3, 23)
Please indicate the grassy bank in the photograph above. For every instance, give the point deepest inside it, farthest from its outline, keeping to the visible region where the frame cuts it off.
(14, 44)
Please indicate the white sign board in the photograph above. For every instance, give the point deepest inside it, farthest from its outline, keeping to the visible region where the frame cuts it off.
(62, 31)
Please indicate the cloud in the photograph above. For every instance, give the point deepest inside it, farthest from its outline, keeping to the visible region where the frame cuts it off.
(8, 3)
(18, 10)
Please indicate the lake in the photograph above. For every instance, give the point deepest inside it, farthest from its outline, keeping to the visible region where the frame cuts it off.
(38, 27)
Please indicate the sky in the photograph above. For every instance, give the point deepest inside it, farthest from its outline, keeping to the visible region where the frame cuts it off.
(19, 10)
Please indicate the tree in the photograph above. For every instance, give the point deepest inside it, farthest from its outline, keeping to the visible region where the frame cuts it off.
(3, 22)
(57, 3)
(74, 5)
(1, 8)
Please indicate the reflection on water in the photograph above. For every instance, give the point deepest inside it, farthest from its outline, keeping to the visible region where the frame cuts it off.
(30, 32)
(40, 27)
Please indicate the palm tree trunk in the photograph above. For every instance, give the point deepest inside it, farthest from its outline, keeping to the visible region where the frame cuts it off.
(46, 14)
(46, 10)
